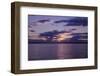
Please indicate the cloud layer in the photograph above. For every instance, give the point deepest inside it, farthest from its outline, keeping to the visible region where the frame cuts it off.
(44, 23)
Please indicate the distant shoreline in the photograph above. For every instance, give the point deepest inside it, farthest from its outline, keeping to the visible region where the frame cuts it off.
(55, 42)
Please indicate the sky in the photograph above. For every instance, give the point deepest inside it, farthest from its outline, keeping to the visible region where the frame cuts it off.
(45, 23)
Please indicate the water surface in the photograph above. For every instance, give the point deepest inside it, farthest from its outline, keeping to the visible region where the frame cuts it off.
(57, 51)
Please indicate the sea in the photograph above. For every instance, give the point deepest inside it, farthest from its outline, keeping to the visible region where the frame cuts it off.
(45, 51)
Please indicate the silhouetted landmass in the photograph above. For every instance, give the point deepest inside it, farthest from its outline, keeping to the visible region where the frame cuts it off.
(72, 41)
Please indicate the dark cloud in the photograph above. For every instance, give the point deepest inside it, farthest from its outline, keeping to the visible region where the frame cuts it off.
(49, 33)
(73, 29)
(60, 21)
(32, 30)
(53, 33)
(76, 21)
(43, 21)
(75, 36)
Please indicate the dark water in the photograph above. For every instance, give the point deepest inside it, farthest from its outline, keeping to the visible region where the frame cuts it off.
(57, 51)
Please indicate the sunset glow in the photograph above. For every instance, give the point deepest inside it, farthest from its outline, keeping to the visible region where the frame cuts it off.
(64, 36)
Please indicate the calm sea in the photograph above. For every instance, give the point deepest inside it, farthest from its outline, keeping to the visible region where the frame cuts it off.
(57, 51)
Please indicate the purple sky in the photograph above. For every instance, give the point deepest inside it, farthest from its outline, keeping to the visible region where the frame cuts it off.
(44, 23)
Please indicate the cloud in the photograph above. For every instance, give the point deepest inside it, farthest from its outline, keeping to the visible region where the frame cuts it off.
(76, 21)
(73, 29)
(32, 24)
(31, 31)
(43, 21)
(61, 21)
